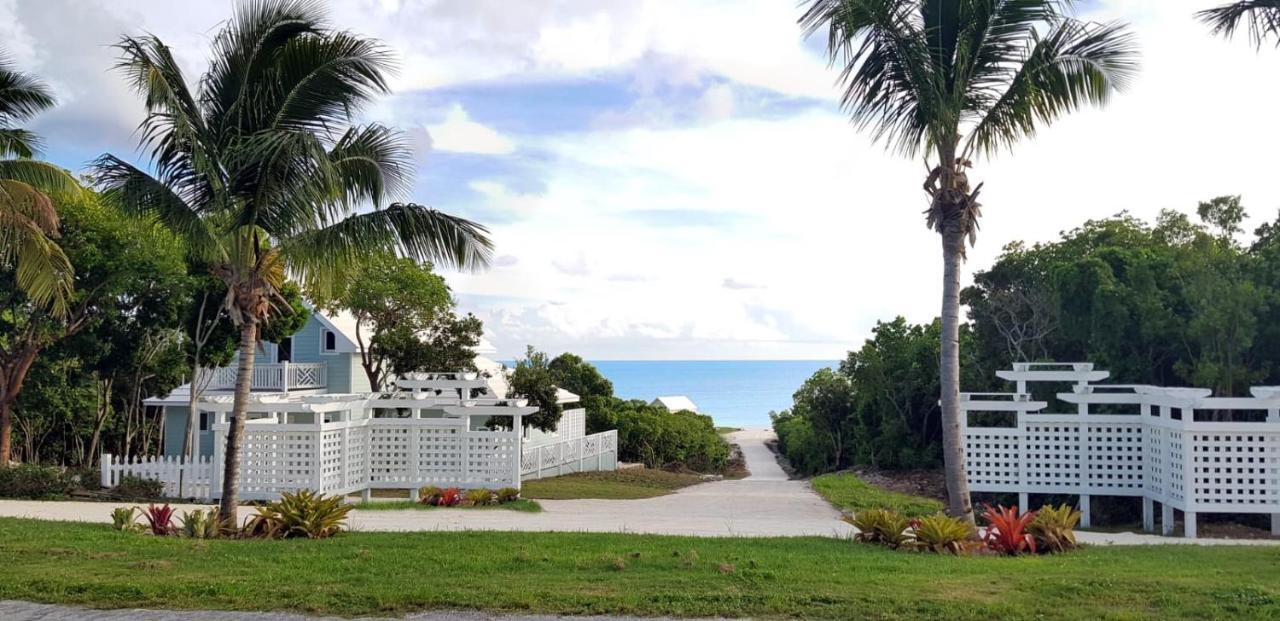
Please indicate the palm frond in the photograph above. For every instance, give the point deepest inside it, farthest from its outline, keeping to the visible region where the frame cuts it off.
(42, 176)
(22, 96)
(139, 193)
(28, 227)
(373, 163)
(1073, 65)
(885, 67)
(19, 143)
(318, 82)
(318, 257)
(1261, 17)
(244, 57)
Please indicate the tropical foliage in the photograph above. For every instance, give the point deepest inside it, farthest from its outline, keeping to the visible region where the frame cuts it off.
(1260, 17)
(263, 172)
(953, 80)
(405, 319)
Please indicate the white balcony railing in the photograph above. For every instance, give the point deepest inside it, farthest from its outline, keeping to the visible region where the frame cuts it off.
(283, 377)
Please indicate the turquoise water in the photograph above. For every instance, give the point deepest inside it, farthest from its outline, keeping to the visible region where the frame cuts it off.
(737, 393)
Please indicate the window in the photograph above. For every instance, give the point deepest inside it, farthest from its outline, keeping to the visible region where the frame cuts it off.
(204, 421)
(284, 351)
(329, 341)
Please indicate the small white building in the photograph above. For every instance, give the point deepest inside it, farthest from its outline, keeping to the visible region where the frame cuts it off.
(676, 403)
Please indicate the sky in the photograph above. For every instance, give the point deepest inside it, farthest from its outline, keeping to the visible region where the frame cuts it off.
(675, 180)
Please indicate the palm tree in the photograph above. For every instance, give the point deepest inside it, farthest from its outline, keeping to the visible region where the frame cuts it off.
(28, 225)
(262, 169)
(1261, 16)
(952, 79)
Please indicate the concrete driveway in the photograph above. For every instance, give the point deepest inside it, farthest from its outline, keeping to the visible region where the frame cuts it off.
(763, 504)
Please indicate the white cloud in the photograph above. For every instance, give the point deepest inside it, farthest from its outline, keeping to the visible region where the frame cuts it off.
(459, 134)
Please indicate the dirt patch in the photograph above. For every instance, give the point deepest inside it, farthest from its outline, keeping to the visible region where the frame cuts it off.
(736, 467)
(925, 483)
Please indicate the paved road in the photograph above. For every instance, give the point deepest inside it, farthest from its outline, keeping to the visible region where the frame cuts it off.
(763, 504)
(23, 611)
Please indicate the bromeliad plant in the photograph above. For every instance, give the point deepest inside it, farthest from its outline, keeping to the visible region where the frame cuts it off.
(197, 524)
(882, 526)
(942, 534)
(450, 497)
(1054, 528)
(159, 519)
(1007, 530)
(125, 519)
(299, 514)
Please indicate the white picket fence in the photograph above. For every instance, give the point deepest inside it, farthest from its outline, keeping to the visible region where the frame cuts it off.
(598, 451)
(181, 478)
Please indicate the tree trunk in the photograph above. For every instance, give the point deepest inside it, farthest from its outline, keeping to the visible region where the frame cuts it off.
(6, 430)
(959, 503)
(244, 382)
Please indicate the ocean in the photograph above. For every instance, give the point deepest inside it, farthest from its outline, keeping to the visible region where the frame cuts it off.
(736, 393)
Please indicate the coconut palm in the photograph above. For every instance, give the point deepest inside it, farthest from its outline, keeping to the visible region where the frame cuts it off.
(949, 80)
(1261, 17)
(28, 225)
(262, 169)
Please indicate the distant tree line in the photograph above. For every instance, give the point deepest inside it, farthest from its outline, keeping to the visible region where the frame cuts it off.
(1177, 302)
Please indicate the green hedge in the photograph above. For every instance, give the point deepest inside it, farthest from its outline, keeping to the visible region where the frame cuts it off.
(35, 482)
(658, 438)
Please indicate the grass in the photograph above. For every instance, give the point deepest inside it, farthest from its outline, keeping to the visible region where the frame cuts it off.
(724, 430)
(621, 484)
(851, 494)
(563, 573)
(525, 505)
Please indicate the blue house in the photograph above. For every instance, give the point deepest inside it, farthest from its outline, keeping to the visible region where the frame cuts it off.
(322, 357)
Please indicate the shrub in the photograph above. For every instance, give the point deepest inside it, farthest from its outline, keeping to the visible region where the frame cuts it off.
(1054, 528)
(131, 486)
(942, 534)
(200, 525)
(478, 498)
(508, 494)
(159, 519)
(657, 438)
(125, 519)
(35, 482)
(882, 526)
(1007, 530)
(429, 495)
(301, 514)
(450, 497)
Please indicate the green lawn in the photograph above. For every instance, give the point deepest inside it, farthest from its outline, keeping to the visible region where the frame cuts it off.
(724, 430)
(620, 484)
(849, 493)
(527, 506)
(561, 573)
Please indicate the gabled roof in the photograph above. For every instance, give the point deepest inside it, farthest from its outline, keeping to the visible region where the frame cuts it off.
(343, 325)
(675, 403)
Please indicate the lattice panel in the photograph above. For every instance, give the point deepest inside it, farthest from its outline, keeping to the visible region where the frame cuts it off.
(1155, 462)
(389, 458)
(573, 424)
(275, 461)
(991, 457)
(1235, 469)
(1053, 455)
(440, 455)
(1114, 452)
(489, 458)
(1174, 479)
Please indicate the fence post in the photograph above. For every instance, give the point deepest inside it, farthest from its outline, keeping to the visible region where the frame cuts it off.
(105, 465)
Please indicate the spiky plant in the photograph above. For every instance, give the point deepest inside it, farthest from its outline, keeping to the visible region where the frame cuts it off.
(1260, 17)
(949, 80)
(264, 172)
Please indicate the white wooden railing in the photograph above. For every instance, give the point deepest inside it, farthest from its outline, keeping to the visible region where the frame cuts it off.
(284, 376)
(598, 451)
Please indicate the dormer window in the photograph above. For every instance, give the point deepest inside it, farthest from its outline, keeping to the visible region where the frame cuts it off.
(328, 341)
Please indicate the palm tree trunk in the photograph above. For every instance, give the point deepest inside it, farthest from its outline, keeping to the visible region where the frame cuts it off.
(231, 467)
(959, 503)
(6, 430)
